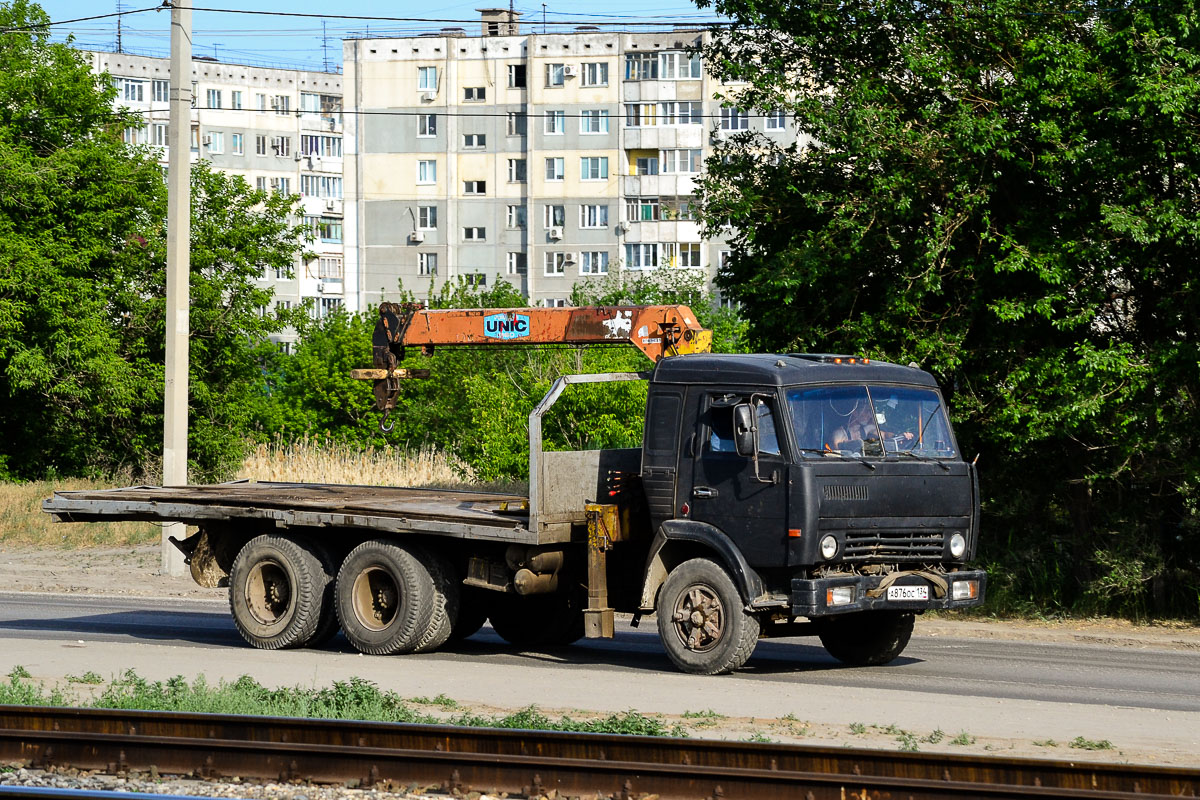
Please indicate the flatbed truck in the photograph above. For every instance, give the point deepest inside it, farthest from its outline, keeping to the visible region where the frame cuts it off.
(773, 496)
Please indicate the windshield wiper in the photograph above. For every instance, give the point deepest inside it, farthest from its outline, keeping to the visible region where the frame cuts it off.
(911, 454)
(839, 454)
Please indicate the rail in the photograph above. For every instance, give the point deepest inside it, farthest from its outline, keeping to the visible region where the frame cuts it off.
(535, 763)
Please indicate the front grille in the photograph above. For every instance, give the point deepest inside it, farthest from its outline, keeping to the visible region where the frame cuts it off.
(893, 545)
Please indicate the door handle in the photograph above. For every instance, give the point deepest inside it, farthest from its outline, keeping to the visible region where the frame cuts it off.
(704, 491)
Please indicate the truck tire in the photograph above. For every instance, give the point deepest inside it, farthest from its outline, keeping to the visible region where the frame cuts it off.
(538, 620)
(384, 596)
(868, 638)
(445, 602)
(702, 621)
(277, 586)
(327, 625)
(472, 613)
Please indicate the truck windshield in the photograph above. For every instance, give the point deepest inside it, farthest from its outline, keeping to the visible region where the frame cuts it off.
(870, 421)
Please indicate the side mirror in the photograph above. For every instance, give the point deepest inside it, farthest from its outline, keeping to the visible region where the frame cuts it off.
(745, 430)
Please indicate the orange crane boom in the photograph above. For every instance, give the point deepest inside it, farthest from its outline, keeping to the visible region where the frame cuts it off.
(658, 331)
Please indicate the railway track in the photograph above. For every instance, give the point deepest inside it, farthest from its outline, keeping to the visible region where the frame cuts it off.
(536, 763)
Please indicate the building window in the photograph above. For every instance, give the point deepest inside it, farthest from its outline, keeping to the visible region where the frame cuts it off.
(516, 170)
(322, 146)
(310, 103)
(679, 66)
(515, 216)
(427, 218)
(554, 264)
(281, 145)
(260, 102)
(554, 216)
(282, 104)
(734, 119)
(474, 187)
(326, 186)
(281, 185)
(327, 305)
(594, 263)
(641, 256)
(260, 145)
(642, 209)
(260, 184)
(593, 168)
(474, 141)
(216, 142)
(474, 234)
(475, 279)
(776, 120)
(555, 74)
(681, 255)
(235, 101)
(555, 169)
(213, 97)
(645, 165)
(427, 79)
(158, 135)
(678, 208)
(516, 76)
(554, 302)
(237, 143)
(517, 123)
(427, 172)
(555, 123)
(681, 161)
(136, 135)
(130, 89)
(593, 216)
(427, 125)
(688, 112)
(517, 264)
(641, 66)
(475, 94)
(641, 115)
(427, 263)
(595, 73)
(593, 121)
(161, 90)
(329, 268)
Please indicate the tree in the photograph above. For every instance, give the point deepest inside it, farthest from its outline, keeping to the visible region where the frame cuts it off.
(1009, 197)
(82, 277)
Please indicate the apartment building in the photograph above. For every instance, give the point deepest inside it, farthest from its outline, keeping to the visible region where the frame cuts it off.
(542, 158)
(280, 129)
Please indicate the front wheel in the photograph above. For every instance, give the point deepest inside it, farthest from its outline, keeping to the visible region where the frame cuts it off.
(867, 638)
(701, 620)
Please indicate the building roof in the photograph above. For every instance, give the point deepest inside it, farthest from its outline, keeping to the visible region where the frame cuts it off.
(784, 370)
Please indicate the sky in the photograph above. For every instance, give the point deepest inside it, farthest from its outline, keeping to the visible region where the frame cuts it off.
(284, 40)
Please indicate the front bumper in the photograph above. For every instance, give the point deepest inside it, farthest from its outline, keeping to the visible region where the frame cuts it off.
(810, 595)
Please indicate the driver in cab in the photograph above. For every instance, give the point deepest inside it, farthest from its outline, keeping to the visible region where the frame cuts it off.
(862, 426)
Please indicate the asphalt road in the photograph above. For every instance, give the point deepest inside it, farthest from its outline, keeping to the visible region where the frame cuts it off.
(1002, 688)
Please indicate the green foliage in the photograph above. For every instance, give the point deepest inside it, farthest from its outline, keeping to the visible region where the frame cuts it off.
(88, 677)
(963, 739)
(1007, 198)
(82, 278)
(1080, 743)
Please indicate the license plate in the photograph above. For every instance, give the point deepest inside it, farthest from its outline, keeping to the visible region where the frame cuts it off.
(908, 593)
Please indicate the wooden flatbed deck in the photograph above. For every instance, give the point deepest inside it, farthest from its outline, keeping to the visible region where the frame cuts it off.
(311, 505)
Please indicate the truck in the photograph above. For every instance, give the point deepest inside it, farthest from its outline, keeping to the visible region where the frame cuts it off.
(773, 495)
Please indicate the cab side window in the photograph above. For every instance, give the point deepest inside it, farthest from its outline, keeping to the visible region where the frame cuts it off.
(768, 439)
(720, 430)
(719, 423)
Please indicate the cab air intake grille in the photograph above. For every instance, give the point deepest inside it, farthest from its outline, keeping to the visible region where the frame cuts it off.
(897, 545)
(833, 491)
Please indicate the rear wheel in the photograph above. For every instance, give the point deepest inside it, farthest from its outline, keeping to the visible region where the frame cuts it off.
(445, 603)
(538, 620)
(701, 621)
(868, 638)
(384, 597)
(277, 586)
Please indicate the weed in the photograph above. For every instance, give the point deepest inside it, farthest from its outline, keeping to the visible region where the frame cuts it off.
(789, 717)
(18, 672)
(1080, 743)
(963, 739)
(441, 700)
(708, 713)
(759, 737)
(857, 728)
(936, 736)
(1046, 743)
(908, 742)
(87, 677)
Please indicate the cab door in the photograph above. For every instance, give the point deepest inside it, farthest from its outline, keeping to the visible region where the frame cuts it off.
(750, 510)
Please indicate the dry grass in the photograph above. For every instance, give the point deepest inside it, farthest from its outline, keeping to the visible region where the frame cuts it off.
(23, 523)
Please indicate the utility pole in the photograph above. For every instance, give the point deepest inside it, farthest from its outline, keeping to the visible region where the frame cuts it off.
(179, 231)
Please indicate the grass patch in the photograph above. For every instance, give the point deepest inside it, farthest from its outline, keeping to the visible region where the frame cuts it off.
(857, 728)
(24, 524)
(963, 739)
(936, 736)
(1080, 743)
(1045, 743)
(441, 700)
(355, 699)
(88, 677)
(758, 737)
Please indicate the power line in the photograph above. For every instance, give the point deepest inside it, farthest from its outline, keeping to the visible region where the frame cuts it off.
(472, 21)
(36, 28)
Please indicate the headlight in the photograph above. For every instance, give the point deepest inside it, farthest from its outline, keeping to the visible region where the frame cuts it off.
(958, 545)
(829, 547)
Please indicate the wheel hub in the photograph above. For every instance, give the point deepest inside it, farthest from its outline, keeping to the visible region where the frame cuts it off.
(376, 598)
(268, 592)
(699, 618)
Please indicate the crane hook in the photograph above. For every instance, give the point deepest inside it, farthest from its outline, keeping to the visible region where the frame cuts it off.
(383, 426)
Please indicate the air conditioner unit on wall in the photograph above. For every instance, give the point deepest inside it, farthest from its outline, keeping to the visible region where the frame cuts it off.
(416, 236)
(570, 70)
(554, 233)
(570, 258)
(329, 205)
(207, 140)
(622, 227)
(428, 95)
(321, 288)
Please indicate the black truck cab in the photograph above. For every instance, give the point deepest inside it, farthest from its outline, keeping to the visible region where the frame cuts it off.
(828, 487)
